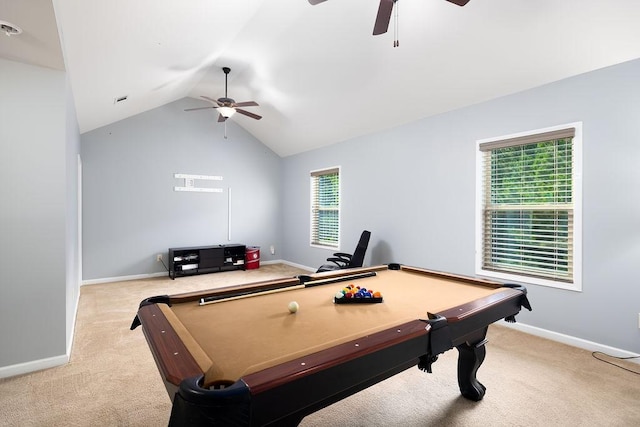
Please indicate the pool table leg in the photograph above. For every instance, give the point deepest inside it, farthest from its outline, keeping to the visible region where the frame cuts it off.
(470, 356)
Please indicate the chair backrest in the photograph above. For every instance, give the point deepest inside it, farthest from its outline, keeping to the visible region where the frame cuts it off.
(357, 259)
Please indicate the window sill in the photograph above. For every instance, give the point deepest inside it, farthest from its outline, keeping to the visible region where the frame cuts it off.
(576, 286)
(328, 247)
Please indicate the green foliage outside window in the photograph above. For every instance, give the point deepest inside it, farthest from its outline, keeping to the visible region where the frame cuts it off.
(528, 211)
(532, 174)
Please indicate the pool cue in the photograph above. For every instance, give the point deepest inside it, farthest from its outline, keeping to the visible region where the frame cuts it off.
(247, 294)
(341, 278)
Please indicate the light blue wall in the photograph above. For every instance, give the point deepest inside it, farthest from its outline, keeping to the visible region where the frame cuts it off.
(37, 141)
(414, 188)
(131, 211)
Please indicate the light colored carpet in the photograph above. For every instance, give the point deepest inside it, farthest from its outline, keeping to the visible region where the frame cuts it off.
(112, 379)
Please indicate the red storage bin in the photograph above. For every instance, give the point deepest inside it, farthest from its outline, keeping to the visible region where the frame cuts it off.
(252, 257)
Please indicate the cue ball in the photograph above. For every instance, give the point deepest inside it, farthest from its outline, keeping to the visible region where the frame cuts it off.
(293, 306)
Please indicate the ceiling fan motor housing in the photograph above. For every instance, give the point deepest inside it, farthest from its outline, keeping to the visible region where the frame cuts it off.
(226, 101)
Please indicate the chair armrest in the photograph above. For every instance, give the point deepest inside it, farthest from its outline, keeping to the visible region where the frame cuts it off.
(340, 262)
(342, 255)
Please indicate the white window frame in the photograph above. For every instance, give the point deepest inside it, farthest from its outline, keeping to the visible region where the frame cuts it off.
(311, 206)
(576, 284)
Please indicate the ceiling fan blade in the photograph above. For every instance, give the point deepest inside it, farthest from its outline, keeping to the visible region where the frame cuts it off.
(314, 2)
(199, 108)
(215, 101)
(459, 2)
(246, 104)
(383, 18)
(221, 118)
(248, 114)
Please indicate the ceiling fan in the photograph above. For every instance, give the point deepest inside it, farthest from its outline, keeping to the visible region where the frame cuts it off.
(384, 13)
(226, 106)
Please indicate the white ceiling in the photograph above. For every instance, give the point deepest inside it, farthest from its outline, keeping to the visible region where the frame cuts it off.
(317, 72)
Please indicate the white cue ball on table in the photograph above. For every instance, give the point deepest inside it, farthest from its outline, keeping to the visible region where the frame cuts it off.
(293, 306)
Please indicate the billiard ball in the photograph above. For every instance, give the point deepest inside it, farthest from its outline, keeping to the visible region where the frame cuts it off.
(293, 306)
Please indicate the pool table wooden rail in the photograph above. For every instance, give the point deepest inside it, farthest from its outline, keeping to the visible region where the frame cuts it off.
(173, 359)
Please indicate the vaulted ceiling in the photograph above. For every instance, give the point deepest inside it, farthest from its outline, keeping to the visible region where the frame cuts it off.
(318, 73)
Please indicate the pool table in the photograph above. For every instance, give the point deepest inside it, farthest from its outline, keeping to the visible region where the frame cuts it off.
(238, 356)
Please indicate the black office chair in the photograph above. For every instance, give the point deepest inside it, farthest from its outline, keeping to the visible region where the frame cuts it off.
(343, 260)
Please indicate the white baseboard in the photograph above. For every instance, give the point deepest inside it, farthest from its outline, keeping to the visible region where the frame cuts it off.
(292, 264)
(572, 341)
(35, 365)
(50, 362)
(123, 278)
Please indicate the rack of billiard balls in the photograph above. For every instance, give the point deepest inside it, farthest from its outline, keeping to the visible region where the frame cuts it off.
(351, 294)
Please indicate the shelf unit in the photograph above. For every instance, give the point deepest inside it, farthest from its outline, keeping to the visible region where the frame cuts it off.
(188, 261)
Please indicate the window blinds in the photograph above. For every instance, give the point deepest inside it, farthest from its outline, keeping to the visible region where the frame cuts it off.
(528, 205)
(325, 207)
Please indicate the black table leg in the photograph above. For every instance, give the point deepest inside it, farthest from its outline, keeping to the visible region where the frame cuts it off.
(470, 357)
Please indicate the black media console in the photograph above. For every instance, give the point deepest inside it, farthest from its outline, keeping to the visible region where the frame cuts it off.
(205, 259)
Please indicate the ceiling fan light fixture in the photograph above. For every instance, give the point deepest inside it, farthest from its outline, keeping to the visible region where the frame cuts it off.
(226, 112)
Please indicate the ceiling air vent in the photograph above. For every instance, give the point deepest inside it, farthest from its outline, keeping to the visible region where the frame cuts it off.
(120, 99)
(10, 29)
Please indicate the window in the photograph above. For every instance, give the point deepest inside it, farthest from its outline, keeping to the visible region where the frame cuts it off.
(325, 207)
(529, 216)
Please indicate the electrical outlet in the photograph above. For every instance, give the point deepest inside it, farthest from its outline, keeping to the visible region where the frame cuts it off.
(273, 250)
(158, 257)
